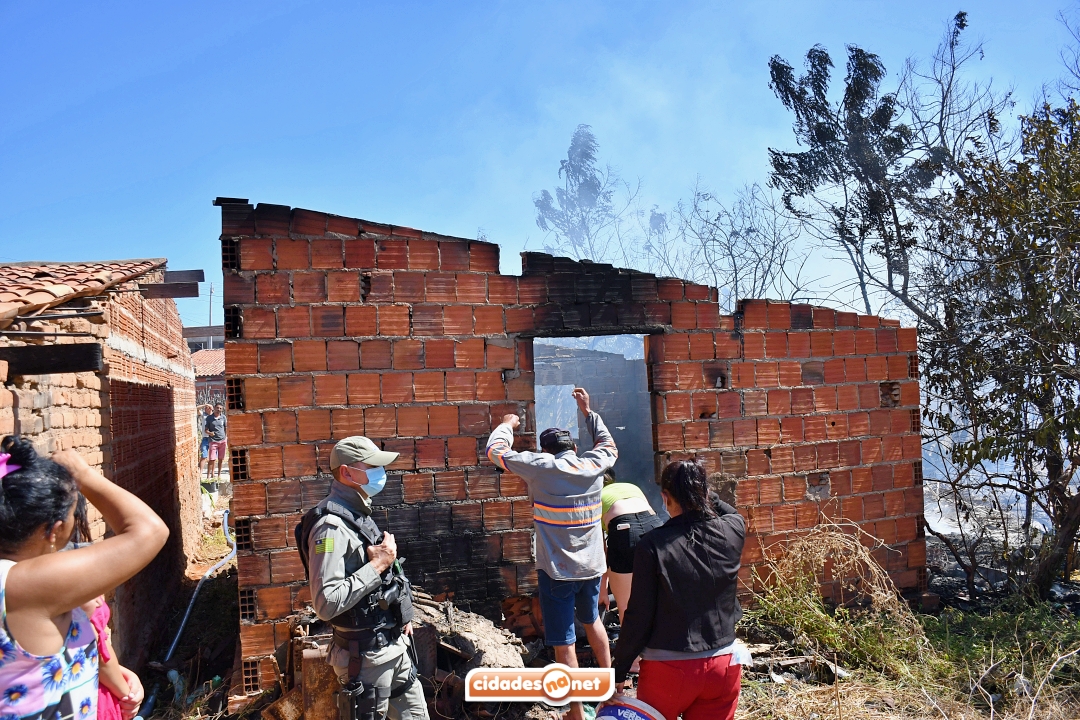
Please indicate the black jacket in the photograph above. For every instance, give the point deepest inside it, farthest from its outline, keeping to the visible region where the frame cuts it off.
(686, 576)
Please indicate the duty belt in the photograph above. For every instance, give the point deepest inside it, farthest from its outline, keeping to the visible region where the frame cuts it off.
(356, 641)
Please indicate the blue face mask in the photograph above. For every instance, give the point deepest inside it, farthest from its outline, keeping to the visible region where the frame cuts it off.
(376, 481)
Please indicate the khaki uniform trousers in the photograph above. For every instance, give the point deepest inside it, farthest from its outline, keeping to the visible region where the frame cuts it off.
(390, 668)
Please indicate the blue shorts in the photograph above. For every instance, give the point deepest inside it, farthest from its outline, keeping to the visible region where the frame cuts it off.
(204, 447)
(559, 599)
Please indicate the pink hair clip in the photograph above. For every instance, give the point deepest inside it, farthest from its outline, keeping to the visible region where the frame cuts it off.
(4, 467)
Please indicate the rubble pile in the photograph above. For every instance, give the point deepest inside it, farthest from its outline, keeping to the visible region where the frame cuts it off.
(449, 643)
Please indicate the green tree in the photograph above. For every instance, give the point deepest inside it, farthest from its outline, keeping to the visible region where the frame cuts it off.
(1008, 347)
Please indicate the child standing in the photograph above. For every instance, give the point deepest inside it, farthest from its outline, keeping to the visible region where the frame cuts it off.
(111, 683)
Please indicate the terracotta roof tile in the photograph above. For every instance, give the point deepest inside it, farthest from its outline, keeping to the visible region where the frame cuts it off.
(209, 362)
(29, 287)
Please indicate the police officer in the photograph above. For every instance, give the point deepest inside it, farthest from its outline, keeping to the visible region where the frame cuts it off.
(358, 587)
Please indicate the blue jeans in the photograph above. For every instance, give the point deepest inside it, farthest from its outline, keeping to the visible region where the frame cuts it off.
(558, 601)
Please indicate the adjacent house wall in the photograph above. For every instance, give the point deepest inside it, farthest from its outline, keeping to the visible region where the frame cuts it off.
(134, 422)
(339, 327)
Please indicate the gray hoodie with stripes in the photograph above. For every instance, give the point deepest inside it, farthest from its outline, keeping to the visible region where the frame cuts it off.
(565, 491)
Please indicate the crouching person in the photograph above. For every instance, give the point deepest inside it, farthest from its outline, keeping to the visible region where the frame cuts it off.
(357, 585)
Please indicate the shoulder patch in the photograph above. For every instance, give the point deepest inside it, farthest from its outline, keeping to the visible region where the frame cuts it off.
(324, 545)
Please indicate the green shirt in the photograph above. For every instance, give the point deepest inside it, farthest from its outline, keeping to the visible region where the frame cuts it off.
(618, 491)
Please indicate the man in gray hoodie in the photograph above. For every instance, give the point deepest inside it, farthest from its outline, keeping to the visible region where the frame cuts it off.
(565, 489)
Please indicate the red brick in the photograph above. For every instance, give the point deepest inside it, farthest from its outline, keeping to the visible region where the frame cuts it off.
(821, 344)
(469, 353)
(745, 433)
(458, 320)
(342, 355)
(450, 485)
(502, 290)
(309, 287)
(299, 461)
(668, 437)
(847, 397)
(442, 419)
(285, 567)
(755, 314)
(728, 345)
(454, 255)
(852, 508)
(327, 321)
(768, 431)
(708, 315)
(412, 421)
(512, 486)
(488, 320)
(279, 426)
(392, 254)
(789, 374)
(519, 319)
(292, 254)
(343, 287)
(423, 254)
(701, 346)
(858, 424)
(721, 434)
(498, 515)
(892, 448)
(259, 323)
(802, 401)
(245, 428)
(248, 499)
(346, 422)
(243, 358)
(669, 289)
(865, 342)
(850, 454)
(431, 452)
(417, 487)
(814, 428)
(897, 367)
(791, 429)
(499, 357)
(844, 342)
(428, 387)
(441, 287)
(766, 375)
(256, 254)
(264, 463)
(380, 422)
(460, 385)
(260, 393)
(295, 391)
(397, 387)
(408, 355)
(471, 288)
(315, 424)
(798, 344)
(824, 399)
(805, 457)
(376, 354)
(907, 340)
(696, 435)
(483, 257)
(293, 322)
(359, 253)
(776, 345)
(489, 386)
(360, 321)
(690, 376)
(871, 450)
(683, 316)
(753, 346)
(252, 570)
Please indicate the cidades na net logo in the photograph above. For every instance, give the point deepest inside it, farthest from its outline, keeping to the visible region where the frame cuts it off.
(555, 684)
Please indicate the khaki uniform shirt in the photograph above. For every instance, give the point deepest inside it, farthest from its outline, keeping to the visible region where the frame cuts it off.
(339, 572)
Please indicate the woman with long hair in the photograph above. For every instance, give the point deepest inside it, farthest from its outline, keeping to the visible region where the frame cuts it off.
(683, 609)
(48, 649)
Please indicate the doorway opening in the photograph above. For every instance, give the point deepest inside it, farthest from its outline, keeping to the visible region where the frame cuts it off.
(611, 368)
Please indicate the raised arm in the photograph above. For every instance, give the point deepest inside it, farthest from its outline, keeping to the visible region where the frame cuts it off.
(58, 582)
(603, 452)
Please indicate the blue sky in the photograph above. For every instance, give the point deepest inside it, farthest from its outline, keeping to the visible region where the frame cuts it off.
(120, 122)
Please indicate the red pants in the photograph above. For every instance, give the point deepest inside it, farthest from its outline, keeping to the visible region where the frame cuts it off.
(696, 689)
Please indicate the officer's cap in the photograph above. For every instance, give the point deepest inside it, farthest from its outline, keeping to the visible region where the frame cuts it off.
(358, 448)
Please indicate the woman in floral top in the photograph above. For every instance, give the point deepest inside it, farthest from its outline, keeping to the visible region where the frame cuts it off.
(48, 650)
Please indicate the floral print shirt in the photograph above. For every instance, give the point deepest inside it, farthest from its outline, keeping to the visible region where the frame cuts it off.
(63, 686)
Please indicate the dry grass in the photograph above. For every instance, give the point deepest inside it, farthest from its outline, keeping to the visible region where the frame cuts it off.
(975, 671)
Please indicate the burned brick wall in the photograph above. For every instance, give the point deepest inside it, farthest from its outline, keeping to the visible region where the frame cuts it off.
(337, 326)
